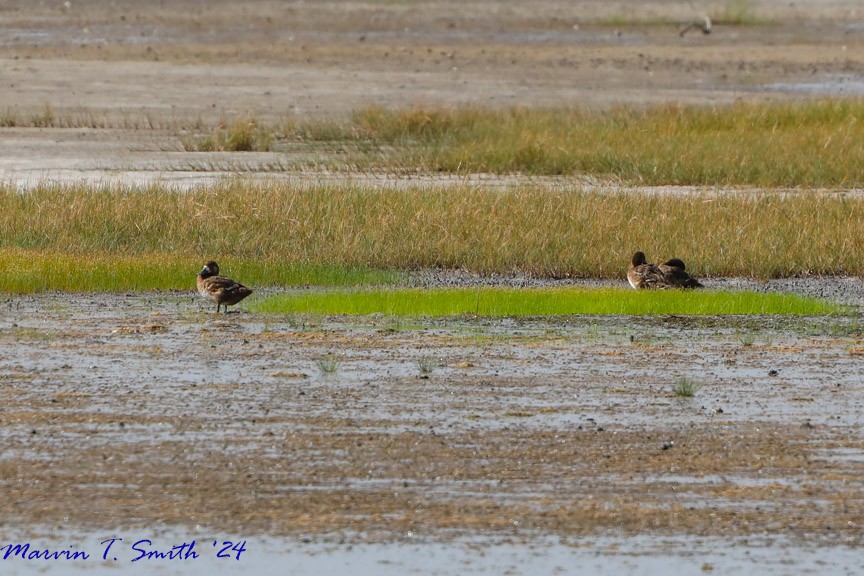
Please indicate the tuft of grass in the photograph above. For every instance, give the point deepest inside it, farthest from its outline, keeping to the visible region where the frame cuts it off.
(539, 302)
(305, 321)
(685, 388)
(43, 119)
(427, 365)
(10, 118)
(747, 339)
(328, 365)
(245, 135)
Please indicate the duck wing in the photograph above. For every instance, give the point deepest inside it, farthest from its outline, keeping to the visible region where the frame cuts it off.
(224, 290)
(646, 276)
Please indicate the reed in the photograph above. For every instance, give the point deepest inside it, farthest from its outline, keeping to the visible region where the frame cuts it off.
(802, 144)
(268, 228)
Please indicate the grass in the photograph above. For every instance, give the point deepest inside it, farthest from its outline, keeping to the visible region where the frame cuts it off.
(245, 135)
(289, 234)
(810, 144)
(27, 271)
(738, 13)
(746, 339)
(82, 117)
(539, 302)
(633, 20)
(427, 365)
(328, 365)
(805, 144)
(685, 388)
(730, 13)
(818, 143)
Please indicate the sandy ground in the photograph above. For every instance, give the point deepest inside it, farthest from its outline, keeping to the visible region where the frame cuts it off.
(146, 412)
(129, 77)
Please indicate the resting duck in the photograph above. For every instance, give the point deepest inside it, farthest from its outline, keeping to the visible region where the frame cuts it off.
(641, 274)
(222, 290)
(675, 272)
(670, 274)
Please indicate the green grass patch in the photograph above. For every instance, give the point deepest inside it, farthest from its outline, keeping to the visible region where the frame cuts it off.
(539, 302)
(28, 271)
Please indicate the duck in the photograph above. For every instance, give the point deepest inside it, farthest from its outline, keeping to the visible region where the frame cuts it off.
(224, 291)
(641, 274)
(676, 274)
(670, 274)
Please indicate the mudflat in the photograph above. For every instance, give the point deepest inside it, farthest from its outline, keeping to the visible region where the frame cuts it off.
(150, 410)
(130, 79)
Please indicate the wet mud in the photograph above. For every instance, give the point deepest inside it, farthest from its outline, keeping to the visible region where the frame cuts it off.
(148, 410)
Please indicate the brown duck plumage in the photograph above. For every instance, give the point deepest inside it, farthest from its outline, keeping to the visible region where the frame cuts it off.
(670, 274)
(222, 290)
(641, 274)
(675, 272)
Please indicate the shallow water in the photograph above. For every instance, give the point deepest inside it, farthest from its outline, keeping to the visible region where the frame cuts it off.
(610, 556)
(839, 85)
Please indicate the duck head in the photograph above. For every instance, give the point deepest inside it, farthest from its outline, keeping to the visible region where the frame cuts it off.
(210, 269)
(676, 263)
(638, 259)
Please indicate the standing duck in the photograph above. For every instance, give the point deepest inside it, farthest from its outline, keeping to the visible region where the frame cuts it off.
(670, 274)
(224, 291)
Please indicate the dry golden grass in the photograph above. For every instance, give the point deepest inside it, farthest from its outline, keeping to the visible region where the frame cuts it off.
(805, 144)
(811, 144)
(262, 228)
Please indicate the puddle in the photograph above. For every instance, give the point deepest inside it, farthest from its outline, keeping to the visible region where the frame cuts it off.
(847, 455)
(830, 86)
